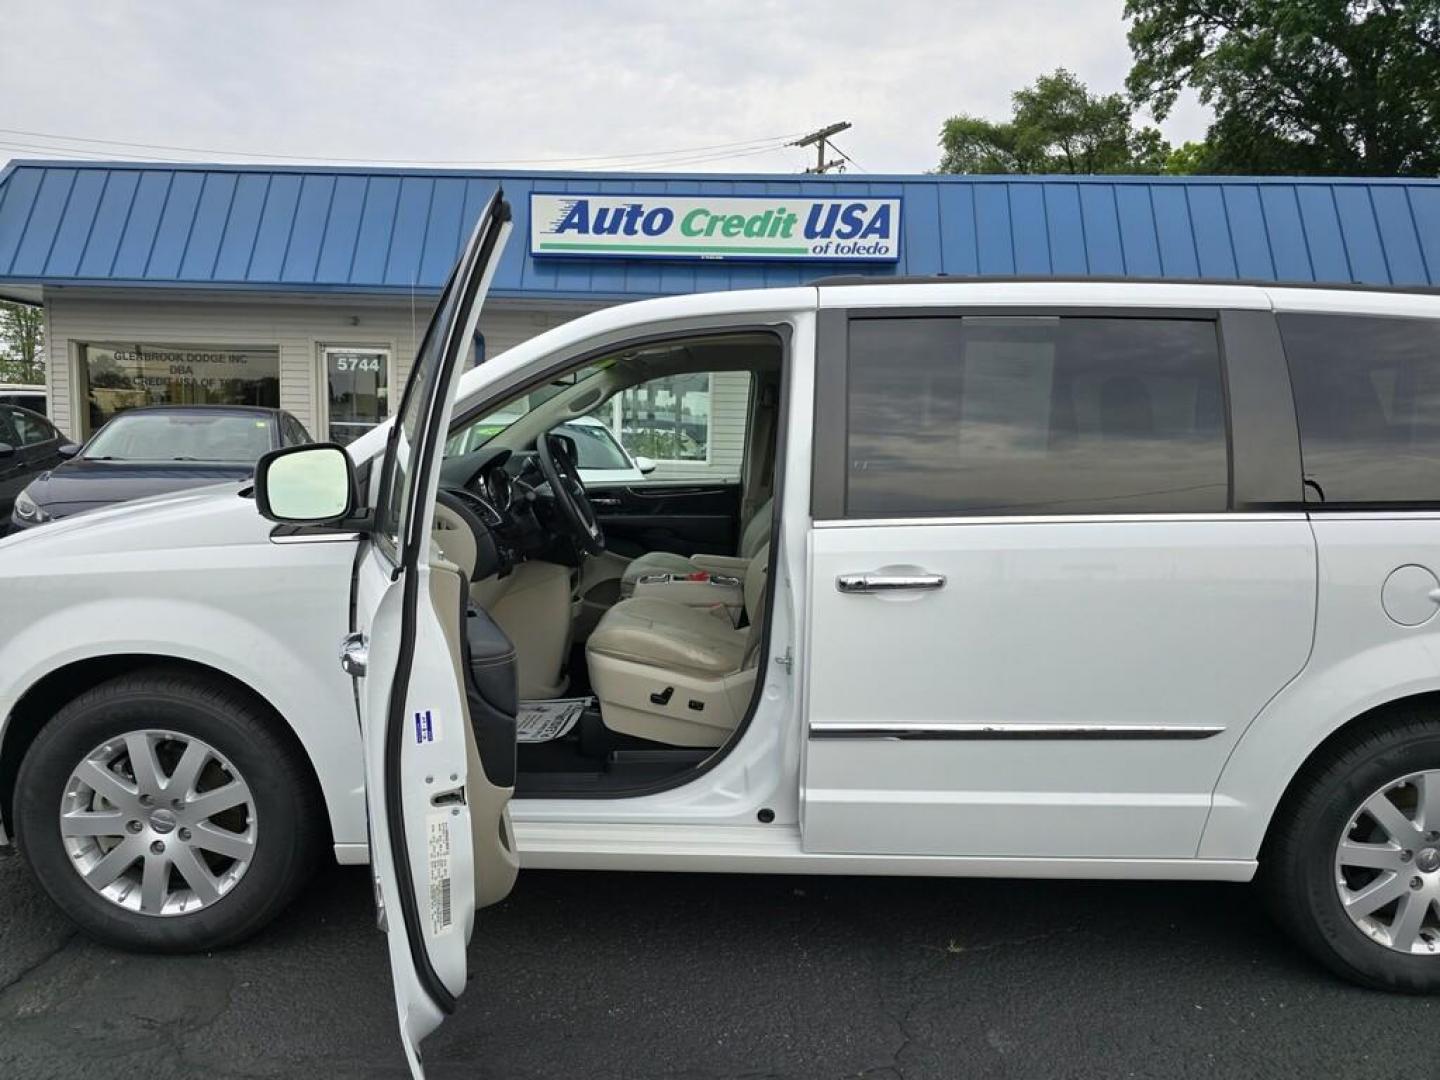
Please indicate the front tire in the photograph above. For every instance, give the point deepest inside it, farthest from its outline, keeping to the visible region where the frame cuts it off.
(163, 813)
(1352, 868)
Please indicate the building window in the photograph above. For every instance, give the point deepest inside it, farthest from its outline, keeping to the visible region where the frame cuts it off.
(665, 419)
(357, 382)
(114, 378)
(1003, 416)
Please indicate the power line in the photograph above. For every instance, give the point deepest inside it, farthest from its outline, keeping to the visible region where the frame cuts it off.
(84, 154)
(771, 142)
(848, 158)
(663, 166)
(88, 155)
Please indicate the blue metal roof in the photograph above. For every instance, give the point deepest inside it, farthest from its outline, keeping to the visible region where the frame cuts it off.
(391, 230)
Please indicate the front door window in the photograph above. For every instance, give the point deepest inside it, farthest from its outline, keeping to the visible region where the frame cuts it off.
(666, 419)
(691, 425)
(358, 384)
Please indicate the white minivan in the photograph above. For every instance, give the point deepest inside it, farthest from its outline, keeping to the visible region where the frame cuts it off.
(1020, 578)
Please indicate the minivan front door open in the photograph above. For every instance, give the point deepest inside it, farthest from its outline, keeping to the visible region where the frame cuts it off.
(437, 781)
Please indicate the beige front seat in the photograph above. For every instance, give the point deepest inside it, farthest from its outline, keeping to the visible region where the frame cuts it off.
(676, 674)
(754, 536)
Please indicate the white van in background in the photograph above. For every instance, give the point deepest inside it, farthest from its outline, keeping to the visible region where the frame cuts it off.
(34, 398)
(601, 457)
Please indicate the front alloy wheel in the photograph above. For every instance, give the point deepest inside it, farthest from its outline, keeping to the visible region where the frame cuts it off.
(158, 822)
(169, 811)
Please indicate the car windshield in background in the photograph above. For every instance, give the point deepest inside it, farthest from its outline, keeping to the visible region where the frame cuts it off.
(222, 437)
(595, 447)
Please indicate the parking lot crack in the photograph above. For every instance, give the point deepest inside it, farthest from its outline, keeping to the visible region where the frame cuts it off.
(954, 947)
(39, 962)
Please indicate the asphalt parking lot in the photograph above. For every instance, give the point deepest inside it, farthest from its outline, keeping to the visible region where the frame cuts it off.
(691, 977)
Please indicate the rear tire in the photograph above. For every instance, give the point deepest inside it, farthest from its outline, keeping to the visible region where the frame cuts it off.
(1352, 867)
(163, 813)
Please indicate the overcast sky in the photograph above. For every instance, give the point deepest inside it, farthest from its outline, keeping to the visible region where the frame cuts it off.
(603, 84)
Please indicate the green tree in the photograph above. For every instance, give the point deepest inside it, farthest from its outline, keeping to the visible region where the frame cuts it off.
(1298, 86)
(22, 339)
(1057, 126)
(1188, 159)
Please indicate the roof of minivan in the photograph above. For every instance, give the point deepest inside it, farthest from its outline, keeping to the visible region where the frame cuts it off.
(845, 280)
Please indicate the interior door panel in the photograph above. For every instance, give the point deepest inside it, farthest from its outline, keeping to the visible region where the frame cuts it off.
(684, 518)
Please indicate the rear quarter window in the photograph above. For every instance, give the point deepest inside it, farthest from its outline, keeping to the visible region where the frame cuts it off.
(1367, 399)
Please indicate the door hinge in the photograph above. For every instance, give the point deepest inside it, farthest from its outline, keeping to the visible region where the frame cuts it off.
(355, 654)
(382, 921)
(787, 661)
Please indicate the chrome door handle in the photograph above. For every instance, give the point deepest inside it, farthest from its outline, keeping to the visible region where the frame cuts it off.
(600, 500)
(354, 654)
(883, 583)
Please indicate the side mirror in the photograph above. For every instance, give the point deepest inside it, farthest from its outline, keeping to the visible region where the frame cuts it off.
(67, 450)
(6, 451)
(645, 465)
(313, 484)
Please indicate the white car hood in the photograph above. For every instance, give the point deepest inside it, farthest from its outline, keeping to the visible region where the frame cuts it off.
(214, 515)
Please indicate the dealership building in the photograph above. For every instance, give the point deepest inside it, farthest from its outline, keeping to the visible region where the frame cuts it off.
(308, 287)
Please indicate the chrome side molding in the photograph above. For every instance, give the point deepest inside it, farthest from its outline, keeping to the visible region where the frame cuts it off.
(849, 729)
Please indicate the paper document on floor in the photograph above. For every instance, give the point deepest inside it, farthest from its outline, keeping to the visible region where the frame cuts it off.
(545, 721)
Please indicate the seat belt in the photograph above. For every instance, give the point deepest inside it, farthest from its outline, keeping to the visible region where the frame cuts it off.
(760, 481)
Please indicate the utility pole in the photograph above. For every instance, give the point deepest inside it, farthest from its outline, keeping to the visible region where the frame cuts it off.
(818, 139)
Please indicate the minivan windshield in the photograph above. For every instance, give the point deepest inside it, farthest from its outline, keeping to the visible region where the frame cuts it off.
(190, 436)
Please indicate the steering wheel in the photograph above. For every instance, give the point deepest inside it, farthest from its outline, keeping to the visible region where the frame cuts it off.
(563, 476)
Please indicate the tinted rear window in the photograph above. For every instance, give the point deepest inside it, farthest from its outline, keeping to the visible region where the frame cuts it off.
(1034, 416)
(1367, 397)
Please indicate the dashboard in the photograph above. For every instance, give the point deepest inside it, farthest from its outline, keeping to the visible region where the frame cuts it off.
(501, 490)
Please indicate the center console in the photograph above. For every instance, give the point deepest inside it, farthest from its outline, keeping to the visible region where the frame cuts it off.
(701, 590)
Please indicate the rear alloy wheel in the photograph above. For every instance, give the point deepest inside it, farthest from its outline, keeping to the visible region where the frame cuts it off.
(164, 811)
(1387, 865)
(1352, 865)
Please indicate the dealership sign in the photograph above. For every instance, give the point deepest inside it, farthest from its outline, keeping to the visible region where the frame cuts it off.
(725, 227)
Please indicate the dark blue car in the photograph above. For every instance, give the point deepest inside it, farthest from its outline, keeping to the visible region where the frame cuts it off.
(155, 450)
(29, 444)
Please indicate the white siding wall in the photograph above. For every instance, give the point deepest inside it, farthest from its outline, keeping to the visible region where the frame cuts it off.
(299, 328)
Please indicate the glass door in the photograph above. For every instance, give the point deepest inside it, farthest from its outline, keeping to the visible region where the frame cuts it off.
(357, 385)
